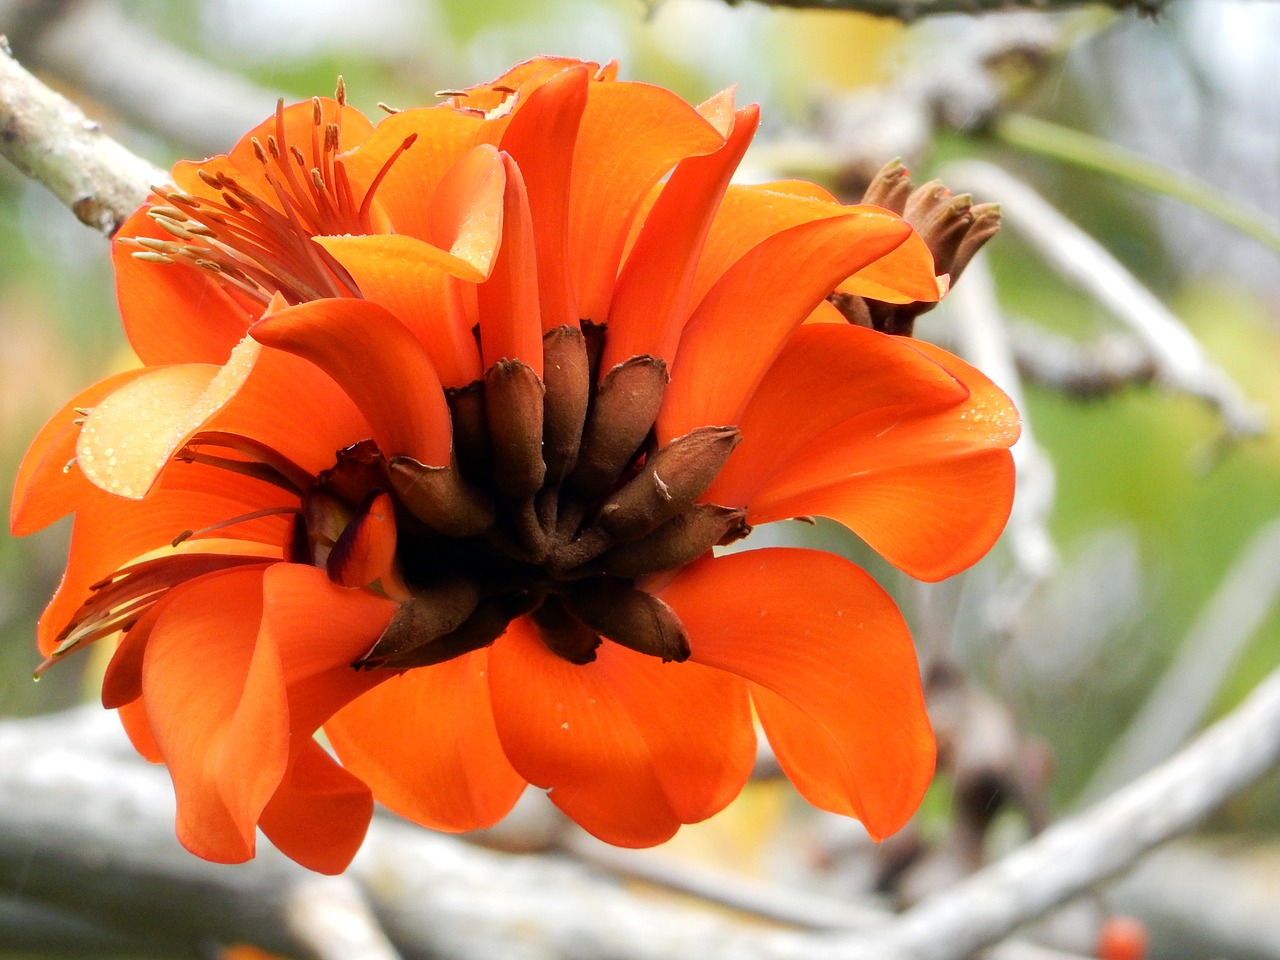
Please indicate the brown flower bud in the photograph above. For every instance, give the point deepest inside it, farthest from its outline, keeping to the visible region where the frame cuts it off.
(629, 616)
(513, 399)
(680, 540)
(668, 483)
(566, 636)
(441, 498)
(566, 373)
(890, 187)
(435, 612)
(626, 405)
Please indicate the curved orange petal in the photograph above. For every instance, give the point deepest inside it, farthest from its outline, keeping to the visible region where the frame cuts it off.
(130, 436)
(540, 139)
(293, 407)
(834, 674)
(766, 295)
(133, 717)
(426, 743)
(651, 300)
(903, 275)
(198, 659)
(929, 490)
(45, 489)
(171, 313)
(319, 629)
(510, 315)
(320, 813)
(630, 135)
(522, 80)
(826, 374)
(109, 532)
(628, 746)
(443, 137)
(931, 519)
(380, 365)
(409, 278)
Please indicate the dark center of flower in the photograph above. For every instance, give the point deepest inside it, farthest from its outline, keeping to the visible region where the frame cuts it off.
(558, 500)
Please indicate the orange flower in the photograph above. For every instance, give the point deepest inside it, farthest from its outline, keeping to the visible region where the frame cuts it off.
(439, 424)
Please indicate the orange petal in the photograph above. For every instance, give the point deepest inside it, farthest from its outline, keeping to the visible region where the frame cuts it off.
(425, 742)
(834, 674)
(405, 275)
(131, 435)
(630, 135)
(540, 139)
(379, 364)
(931, 519)
(628, 746)
(45, 488)
(111, 531)
(930, 490)
(825, 375)
(319, 630)
(320, 813)
(443, 137)
(520, 81)
(510, 317)
(651, 300)
(366, 550)
(158, 304)
(291, 406)
(133, 717)
(194, 689)
(903, 275)
(769, 292)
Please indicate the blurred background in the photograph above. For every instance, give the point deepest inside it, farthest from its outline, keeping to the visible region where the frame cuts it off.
(1133, 599)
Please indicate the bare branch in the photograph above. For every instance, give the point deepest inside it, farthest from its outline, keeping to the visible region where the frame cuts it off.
(1182, 697)
(1077, 853)
(1181, 362)
(49, 138)
(94, 45)
(985, 342)
(909, 10)
(87, 831)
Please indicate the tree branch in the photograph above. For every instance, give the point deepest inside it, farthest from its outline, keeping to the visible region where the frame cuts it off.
(909, 10)
(50, 139)
(1180, 361)
(89, 831)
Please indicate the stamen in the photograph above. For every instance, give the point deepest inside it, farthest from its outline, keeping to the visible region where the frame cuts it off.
(367, 205)
(149, 257)
(256, 515)
(340, 94)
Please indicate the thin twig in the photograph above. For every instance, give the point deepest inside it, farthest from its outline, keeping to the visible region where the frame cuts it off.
(158, 86)
(1181, 362)
(1075, 854)
(91, 833)
(908, 10)
(985, 342)
(49, 139)
(1182, 697)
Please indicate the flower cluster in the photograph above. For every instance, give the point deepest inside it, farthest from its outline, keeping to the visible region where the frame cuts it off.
(439, 425)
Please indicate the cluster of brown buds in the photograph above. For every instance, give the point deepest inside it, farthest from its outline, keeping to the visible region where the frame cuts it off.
(953, 226)
(559, 499)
